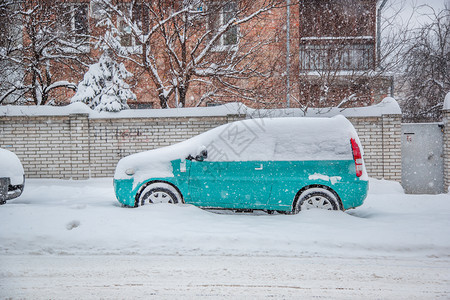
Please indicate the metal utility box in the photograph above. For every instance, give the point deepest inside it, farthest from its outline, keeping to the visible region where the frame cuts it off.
(422, 158)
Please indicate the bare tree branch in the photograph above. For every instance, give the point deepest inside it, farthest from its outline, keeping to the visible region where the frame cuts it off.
(45, 43)
(185, 42)
(427, 68)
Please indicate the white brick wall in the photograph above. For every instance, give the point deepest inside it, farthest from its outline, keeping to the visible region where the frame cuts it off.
(381, 140)
(78, 147)
(446, 149)
(42, 144)
(115, 138)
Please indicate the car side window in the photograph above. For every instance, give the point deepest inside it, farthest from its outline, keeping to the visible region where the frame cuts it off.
(241, 142)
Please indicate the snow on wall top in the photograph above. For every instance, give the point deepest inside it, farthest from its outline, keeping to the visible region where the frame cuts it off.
(387, 106)
(447, 102)
(22, 110)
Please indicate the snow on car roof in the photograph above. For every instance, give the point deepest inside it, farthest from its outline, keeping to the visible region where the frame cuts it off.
(281, 139)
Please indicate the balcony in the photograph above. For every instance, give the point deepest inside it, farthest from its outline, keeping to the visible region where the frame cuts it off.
(337, 54)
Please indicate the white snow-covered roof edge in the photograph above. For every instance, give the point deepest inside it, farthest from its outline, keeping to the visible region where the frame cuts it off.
(388, 106)
(447, 102)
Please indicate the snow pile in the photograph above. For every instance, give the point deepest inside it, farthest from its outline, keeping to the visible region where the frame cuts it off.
(11, 167)
(103, 87)
(83, 217)
(279, 139)
(77, 108)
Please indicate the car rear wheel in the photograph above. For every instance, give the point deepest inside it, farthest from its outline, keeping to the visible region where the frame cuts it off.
(159, 192)
(317, 198)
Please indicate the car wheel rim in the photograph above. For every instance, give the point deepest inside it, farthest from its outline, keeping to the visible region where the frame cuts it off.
(317, 202)
(160, 197)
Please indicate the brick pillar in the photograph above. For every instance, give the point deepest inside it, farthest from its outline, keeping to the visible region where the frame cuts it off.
(79, 150)
(446, 119)
(392, 147)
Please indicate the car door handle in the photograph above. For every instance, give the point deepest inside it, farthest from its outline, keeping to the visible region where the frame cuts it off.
(260, 167)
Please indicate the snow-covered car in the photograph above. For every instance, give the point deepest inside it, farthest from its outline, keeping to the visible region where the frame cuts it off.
(12, 178)
(278, 164)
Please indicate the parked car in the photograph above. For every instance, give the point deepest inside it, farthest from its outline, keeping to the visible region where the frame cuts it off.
(12, 178)
(278, 164)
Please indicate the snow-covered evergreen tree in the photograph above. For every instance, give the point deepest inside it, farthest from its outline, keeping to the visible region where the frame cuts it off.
(103, 87)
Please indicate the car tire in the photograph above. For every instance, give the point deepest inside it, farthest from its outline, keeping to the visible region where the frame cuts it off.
(159, 192)
(317, 198)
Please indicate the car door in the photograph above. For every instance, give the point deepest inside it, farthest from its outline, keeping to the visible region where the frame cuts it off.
(234, 174)
(229, 184)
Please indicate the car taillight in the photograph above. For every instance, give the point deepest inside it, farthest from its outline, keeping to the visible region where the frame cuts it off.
(357, 157)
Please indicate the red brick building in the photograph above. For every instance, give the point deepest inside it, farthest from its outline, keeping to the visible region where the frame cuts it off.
(332, 52)
(337, 54)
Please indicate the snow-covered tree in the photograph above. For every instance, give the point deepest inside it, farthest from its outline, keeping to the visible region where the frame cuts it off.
(185, 43)
(11, 77)
(103, 87)
(41, 41)
(427, 74)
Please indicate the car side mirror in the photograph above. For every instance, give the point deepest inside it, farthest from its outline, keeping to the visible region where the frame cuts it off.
(201, 157)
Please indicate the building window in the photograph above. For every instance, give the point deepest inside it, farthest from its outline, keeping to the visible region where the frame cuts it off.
(140, 105)
(335, 57)
(212, 104)
(74, 18)
(230, 37)
(126, 34)
(139, 15)
(10, 32)
(98, 9)
(4, 26)
(220, 14)
(337, 18)
(337, 35)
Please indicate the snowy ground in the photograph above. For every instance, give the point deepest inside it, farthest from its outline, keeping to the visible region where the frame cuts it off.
(71, 239)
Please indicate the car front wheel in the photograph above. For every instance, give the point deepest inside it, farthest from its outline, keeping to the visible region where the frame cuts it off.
(159, 192)
(317, 198)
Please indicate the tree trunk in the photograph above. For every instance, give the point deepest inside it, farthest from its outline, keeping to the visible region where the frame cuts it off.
(182, 94)
(163, 101)
(35, 96)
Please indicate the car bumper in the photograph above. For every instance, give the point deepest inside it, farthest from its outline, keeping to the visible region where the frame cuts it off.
(8, 191)
(353, 195)
(125, 193)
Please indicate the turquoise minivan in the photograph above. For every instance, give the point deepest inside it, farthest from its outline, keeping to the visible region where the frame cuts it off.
(270, 164)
